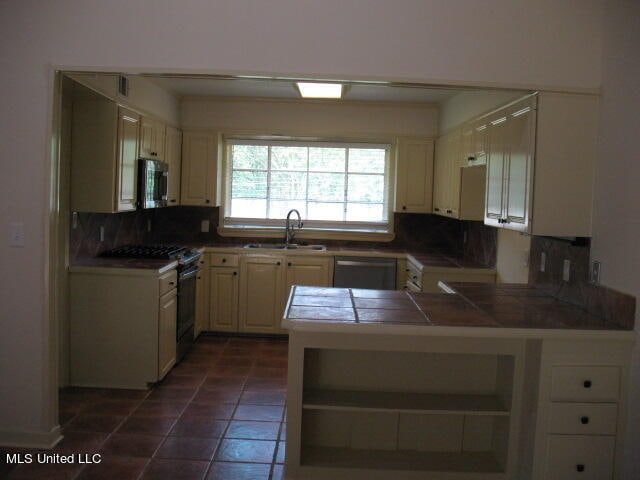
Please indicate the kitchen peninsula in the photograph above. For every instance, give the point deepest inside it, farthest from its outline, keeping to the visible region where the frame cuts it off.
(489, 382)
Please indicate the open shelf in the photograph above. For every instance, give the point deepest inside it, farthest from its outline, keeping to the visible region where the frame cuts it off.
(403, 402)
(331, 457)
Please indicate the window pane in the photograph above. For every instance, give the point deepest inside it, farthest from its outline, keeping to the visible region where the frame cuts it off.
(365, 212)
(366, 160)
(326, 186)
(253, 157)
(288, 158)
(366, 188)
(326, 211)
(249, 185)
(288, 185)
(326, 159)
(280, 208)
(248, 208)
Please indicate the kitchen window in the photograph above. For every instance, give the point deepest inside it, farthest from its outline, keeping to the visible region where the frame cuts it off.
(334, 186)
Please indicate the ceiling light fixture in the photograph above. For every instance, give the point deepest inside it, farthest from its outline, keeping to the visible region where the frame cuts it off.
(319, 90)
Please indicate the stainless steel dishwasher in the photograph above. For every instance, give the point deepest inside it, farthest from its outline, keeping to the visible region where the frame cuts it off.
(365, 272)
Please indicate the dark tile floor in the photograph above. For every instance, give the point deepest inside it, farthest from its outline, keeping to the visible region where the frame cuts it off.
(219, 414)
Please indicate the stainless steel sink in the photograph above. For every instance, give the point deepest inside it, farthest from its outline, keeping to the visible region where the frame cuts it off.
(282, 246)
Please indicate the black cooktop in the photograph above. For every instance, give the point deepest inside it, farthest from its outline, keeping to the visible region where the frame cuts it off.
(146, 251)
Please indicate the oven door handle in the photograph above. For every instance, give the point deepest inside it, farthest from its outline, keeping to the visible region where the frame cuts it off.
(188, 274)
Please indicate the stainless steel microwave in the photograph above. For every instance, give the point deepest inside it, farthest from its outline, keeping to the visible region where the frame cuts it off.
(152, 183)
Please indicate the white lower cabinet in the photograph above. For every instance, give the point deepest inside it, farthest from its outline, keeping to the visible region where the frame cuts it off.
(122, 329)
(223, 292)
(167, 328)
(581, 410)
(261, 293)
(248, 293)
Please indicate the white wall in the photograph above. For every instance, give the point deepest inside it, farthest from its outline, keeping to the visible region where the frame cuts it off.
(467, 105)
(503, 42)
(616, 225)
(309, 118)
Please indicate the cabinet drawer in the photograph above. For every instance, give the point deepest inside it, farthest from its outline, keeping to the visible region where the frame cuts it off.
(579, 457)
(223, 260)
(168, 281)
(583, 418)
(414, 275)
(590, 384)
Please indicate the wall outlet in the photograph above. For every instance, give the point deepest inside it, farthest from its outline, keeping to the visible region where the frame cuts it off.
(543, 261)
(102, 233)
(204, 226)
(148, 225)
(594, 272)
(74, 220)
(566, 270)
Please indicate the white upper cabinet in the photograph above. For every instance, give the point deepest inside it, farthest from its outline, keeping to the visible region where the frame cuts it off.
(173, 157)
(414, 175)
(152, 139)
(540, 165)
(199, 168)
(458, 184)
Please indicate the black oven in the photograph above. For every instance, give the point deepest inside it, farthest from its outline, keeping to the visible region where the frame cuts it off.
(186, 308)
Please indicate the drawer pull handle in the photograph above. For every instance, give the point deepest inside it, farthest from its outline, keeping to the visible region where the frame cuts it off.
(224, 260)
(172, 283)
(587, 384)
(289, 264)
(584, 420)
(580, 467)
(235, 273)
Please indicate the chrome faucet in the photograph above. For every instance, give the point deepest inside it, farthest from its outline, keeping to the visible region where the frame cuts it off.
(289, 233)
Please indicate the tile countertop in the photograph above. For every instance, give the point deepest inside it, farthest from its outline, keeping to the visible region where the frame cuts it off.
(429, 259)
(519, 309)
(128, 264)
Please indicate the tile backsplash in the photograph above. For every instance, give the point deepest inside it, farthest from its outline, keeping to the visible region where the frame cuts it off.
(601, 301)
(414, 232)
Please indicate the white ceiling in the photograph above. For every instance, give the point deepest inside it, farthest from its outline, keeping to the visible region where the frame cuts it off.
(270, 88)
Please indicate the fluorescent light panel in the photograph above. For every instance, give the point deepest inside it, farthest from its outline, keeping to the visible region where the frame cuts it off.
(320, 90)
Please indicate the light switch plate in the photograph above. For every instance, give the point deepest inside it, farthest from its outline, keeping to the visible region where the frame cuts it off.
(16, 234)
(543, 261)
(102, 233)
(204, 226)
(566, 270)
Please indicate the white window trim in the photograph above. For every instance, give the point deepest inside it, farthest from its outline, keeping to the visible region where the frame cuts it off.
(327, 230)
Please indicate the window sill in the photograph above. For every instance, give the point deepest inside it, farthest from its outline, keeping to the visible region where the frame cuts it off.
(251, 231)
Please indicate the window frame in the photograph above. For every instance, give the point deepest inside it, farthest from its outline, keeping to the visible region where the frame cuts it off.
(327, 229)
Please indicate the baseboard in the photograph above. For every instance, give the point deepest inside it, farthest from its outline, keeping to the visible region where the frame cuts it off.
(31, 439)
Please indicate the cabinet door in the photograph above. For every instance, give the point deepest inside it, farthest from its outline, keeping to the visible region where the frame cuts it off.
(447, 154)
(159, 138)
(261, 293)
(496, 167)
(128, 126)
(414, 185)
(167, 318)
(146, 138)
(173, 156)
(312, 272)
(519, 172)
(223, 299)
(198, 169)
